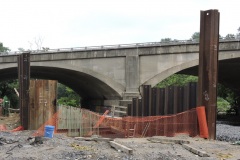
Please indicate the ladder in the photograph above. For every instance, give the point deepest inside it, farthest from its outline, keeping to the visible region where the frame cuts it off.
(131, 132)
(145, 129)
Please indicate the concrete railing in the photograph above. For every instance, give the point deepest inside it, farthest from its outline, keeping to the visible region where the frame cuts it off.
(118, 46)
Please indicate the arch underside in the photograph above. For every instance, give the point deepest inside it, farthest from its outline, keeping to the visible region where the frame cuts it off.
(228, 72)
(84, 84)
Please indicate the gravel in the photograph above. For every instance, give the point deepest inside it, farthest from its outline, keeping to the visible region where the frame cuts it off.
(226, 132)
(63, 147)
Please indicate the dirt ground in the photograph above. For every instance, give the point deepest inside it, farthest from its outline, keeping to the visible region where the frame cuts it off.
(19, 145)
(12, 121)
(16, 146)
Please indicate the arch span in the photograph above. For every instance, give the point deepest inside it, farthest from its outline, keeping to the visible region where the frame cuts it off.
(229, 65)
(87, 83)
(161, 76)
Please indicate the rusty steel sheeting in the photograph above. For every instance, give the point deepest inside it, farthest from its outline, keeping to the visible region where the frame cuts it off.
(129, 109)
(186, 97)
(175, 99)
(146, 100)
(169, 95)
(154, 101)
(180, 98)
(24, 80)
(134, 106)
(161, 100)
(193, 95)
(208, 66)
(140, 108)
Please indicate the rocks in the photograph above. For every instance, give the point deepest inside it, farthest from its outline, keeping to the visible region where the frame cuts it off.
(227, 133)
(61, 147)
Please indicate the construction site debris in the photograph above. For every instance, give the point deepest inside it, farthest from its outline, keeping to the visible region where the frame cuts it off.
(3, 127)
(79, 147)
(195, 151)
(20, 128)
(236, 143)
(9, 152)
(224, 156)
(61, 147)
(157, 139)
(120, 147)
(35, 140)
(93, 139)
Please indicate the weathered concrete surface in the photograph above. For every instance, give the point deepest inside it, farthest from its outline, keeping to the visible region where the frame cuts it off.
(118, 74)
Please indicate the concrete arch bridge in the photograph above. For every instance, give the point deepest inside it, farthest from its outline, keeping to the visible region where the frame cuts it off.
(109, 75)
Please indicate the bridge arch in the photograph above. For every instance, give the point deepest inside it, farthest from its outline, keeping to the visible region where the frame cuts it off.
(87, 83)
(166, 73)
(223, 58)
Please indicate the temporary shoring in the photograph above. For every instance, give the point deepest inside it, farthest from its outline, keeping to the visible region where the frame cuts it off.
(208, 67)
(24, 80)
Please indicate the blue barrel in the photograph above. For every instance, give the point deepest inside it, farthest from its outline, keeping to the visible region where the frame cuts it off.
(49, 130)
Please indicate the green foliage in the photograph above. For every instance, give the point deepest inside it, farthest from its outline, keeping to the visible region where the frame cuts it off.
(177, 80)
(3, 49)
(66, 96)
(227, 99)
(166, 40)
(222, 105)
(238, 34)
(195, 36)
(68, 101)
(230, 36)
(7, 89)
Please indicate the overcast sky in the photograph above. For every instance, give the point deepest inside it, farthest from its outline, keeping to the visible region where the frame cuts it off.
(77, 23)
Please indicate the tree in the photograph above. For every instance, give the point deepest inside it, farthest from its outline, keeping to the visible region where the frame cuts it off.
(228, 100)
(7, 89)
(35, 45)
(230, 36)
(66, 96)
(3, 50)
(238, 34)
(21, 49)
(195, 36)
(177, 80)
(166, 40)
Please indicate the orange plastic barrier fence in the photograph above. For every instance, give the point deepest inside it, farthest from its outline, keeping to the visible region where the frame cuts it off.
(3, 127)
(185, 122)
(20, 128)
(202, 121)
(52, 121)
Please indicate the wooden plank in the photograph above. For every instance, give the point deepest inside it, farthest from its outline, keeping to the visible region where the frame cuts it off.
(195, 151)
(39, 101)
(69, 120)
(32, 115)
(124, 112)
(121, 147)
(122, 107)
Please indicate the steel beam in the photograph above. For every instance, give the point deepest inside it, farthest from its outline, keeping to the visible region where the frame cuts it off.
(24, 81)
(208, 66)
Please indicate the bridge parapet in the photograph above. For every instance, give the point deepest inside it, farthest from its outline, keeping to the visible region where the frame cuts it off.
(117, 46)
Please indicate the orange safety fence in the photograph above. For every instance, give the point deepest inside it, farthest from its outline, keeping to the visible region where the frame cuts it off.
(52, 121)
(203, 128)
(117, 127)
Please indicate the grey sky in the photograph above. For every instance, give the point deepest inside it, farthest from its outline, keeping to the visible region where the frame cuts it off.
(76, 23)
